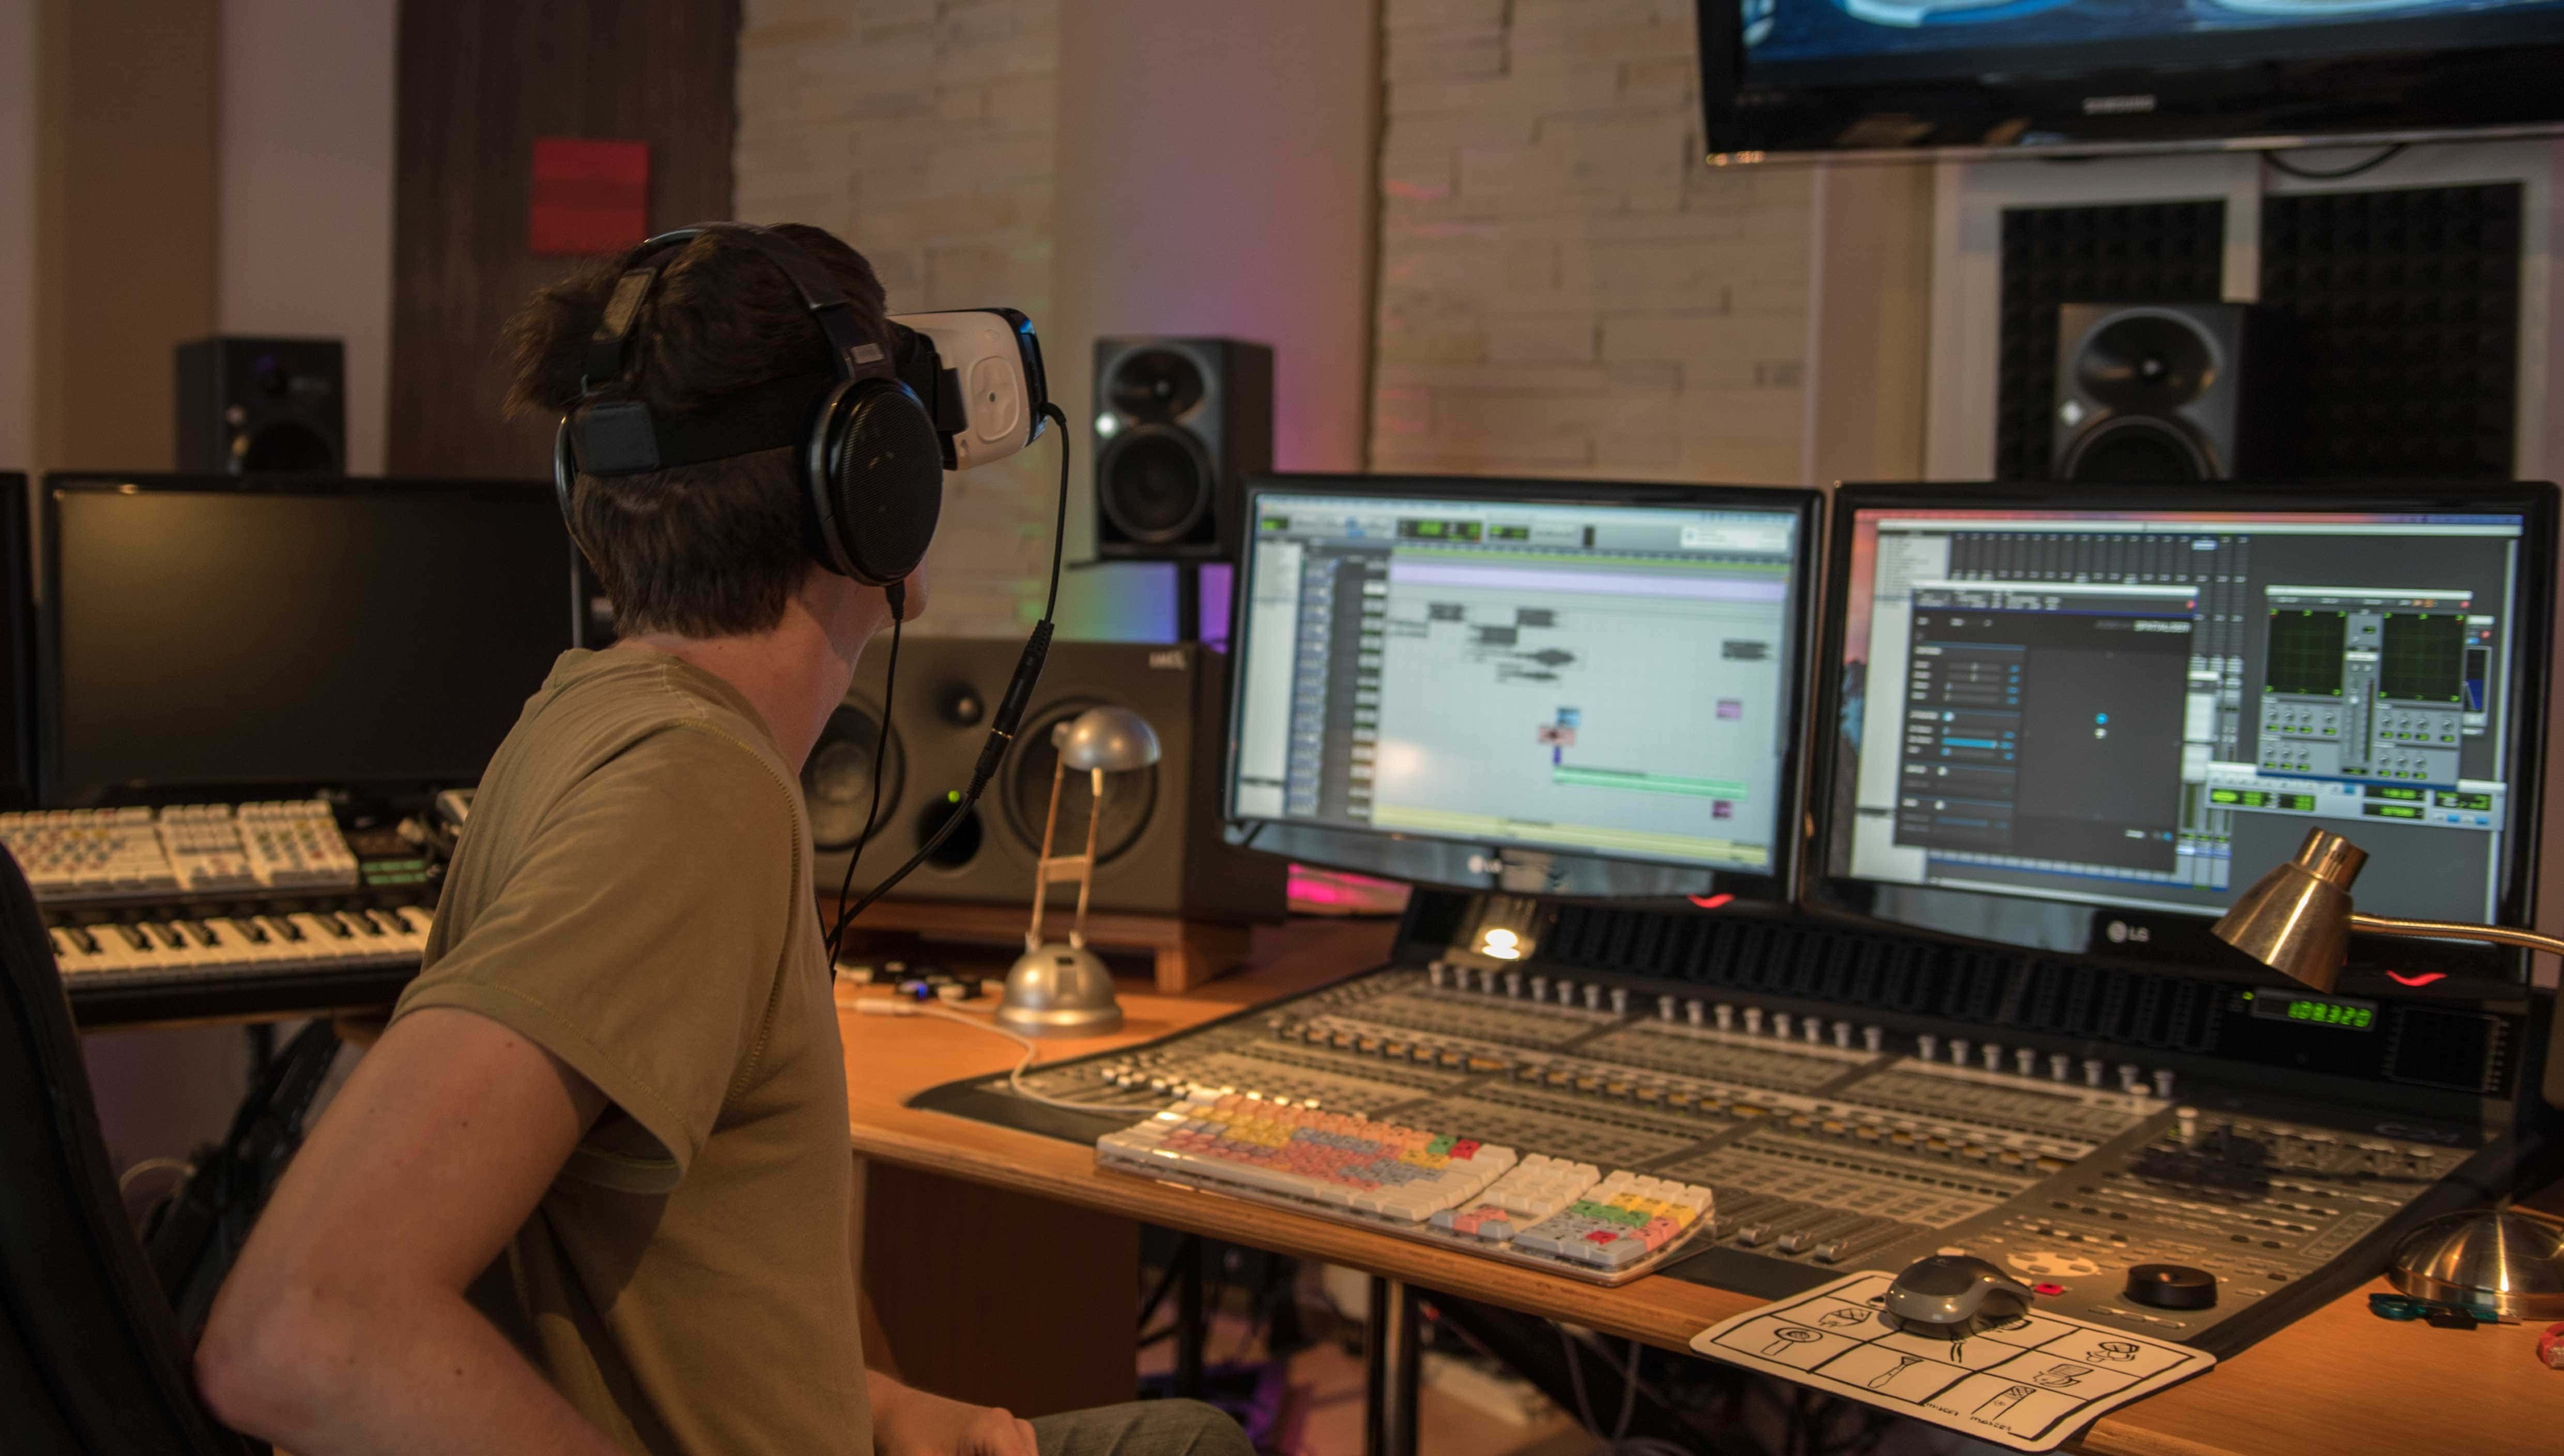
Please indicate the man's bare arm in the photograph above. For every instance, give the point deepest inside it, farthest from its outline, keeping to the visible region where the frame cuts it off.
(343, 1328)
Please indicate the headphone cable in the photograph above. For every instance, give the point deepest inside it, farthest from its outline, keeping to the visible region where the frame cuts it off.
(898, 594)
(1001, 729)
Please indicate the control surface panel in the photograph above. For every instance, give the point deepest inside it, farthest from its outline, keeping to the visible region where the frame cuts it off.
(1829, 1148)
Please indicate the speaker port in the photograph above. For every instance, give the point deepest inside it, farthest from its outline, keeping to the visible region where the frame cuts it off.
(963, 845)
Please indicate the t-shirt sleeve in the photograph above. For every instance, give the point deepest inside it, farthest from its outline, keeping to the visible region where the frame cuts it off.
(639, 937)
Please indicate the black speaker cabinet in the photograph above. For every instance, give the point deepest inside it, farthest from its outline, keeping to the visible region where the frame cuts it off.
(1180, 424)
(2171, 392)
(1159, 843)
(263, 406)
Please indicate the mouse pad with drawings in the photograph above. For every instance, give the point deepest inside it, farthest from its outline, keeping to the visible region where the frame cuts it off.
(2027, 1381)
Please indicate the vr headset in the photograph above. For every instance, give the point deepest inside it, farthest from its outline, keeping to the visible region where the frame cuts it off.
(978, 372)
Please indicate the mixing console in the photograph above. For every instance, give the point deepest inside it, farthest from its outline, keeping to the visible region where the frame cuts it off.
(1831, 1145)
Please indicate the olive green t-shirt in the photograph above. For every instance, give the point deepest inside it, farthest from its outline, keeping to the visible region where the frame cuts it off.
(633, 895)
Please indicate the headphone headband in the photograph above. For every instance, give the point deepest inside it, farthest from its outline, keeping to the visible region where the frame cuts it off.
(609, 351)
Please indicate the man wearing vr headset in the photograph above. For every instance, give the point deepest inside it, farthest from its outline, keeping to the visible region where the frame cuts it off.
(621, 1067)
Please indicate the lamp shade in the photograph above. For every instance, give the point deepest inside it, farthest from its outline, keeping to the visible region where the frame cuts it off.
(1110, 739)
(2296, 919)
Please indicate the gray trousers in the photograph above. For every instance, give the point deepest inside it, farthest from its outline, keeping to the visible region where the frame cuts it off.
(1142, 1428)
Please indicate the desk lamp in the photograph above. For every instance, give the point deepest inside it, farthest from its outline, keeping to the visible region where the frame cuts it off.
(1063, 989)
(2296, 920)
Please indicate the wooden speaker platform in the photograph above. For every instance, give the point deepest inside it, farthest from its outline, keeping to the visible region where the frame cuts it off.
(1189, 952)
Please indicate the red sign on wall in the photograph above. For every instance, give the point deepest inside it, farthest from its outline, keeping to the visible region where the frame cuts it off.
(589, 196)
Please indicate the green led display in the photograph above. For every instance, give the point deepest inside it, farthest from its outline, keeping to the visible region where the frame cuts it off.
(1274, 523)
(1509, 533)
(2392, 811)
(2407, 795)
(2346, 1015)
(2446, 799)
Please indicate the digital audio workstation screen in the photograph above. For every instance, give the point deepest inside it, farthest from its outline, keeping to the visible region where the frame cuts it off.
(1600, 679)
(2149, 709)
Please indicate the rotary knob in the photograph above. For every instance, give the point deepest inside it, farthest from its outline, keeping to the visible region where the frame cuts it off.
(2172, 1287)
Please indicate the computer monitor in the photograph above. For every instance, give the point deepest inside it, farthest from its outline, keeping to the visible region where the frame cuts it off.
(2081, 718)
(1559, 687)
(17, 648)
(223, 635)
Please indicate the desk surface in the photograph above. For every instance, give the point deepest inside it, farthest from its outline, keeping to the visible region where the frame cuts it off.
(2339, 1379)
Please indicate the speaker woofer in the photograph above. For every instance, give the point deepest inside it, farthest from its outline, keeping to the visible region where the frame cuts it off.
(1129, 798)
(1155, 386)
(1156, 483)
(837, 781)
(2145, 362)
(2137, 449)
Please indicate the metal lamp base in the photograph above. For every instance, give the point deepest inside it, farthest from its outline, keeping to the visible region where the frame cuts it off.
(1059, 990)
(2508, 1258)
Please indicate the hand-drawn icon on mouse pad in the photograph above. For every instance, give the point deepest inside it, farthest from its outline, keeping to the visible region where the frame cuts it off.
(1784, 1339)
(1843, 1318)
(2001, 1401)
(2062, 1375)
(2111, 1349)
(1903, 1363)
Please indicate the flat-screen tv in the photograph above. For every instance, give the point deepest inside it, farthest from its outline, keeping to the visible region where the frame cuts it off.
(1815, 75)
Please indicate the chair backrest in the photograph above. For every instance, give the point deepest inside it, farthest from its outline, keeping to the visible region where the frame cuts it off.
(90, 1358)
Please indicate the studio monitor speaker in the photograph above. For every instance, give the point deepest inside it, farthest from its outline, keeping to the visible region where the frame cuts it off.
(2171, 392)
(1180, 424)
(263, 406)
(1159, 846)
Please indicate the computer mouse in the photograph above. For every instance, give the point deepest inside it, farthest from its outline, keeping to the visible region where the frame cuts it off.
(1952, 1288)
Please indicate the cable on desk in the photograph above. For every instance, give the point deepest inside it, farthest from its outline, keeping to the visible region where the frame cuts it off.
(874, 1006)
(1620, 1442)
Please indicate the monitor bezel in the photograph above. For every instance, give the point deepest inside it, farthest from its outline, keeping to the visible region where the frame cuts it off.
(1523, 869)
(2398, 79)
(47, 626)
(19, 628)
(2159, 938)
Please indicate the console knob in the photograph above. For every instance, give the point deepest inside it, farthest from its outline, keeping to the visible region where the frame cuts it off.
(1539, 988)
(1512, 985)
(2186, 1123)
(2163, 1083)
(1664, 1008)
(1754, 1020)
(1694, 1012)
(2024, 1061)
(1927, 1046)
(1726, 1015)
(1958, 1051)
(1812, 1030)
(1780, 1023)
(2056, 1064)
(1991, 1056)
(1873, 1038)
(1619, 1000)
(1843, 1034)
(2128, 1082)
(2172, 1287)
(1593, 997)
(2091, 1071)
(1440, 973)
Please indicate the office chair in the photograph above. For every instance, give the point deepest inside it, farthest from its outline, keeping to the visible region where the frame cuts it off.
(90, 1358)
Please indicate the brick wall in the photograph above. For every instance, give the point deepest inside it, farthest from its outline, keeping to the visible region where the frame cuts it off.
(920, 130)
(1565, 288)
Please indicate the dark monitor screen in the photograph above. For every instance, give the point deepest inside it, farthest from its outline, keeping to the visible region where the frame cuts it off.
(2077, 726)
(210, 632)
(1600, 682)
(17, 648)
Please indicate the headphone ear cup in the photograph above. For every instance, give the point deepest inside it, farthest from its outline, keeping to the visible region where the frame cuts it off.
(564, 473)
(875, 478)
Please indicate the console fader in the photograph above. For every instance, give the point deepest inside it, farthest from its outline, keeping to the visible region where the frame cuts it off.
(1839, 1142)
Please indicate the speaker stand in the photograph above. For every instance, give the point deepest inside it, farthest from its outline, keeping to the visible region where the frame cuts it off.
(1187, 953)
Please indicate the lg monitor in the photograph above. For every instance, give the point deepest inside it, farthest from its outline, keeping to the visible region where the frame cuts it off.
(2081, 718)
(221, 634)
(1553, 686)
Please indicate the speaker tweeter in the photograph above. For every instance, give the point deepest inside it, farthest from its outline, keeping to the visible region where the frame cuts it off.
(1180, 423)
(2167, 393)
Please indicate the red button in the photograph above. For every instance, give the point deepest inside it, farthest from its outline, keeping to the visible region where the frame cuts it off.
(2047, 1291)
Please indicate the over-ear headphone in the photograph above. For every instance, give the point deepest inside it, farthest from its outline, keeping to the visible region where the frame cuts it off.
(867, 452)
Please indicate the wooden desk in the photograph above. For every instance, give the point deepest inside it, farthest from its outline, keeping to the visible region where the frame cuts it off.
(2339, 1381)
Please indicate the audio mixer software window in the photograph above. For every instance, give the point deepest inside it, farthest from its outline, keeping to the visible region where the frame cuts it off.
(2122, 708)
(1604, 679)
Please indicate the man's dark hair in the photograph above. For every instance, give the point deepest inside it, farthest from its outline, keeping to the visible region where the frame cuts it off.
(711, 550)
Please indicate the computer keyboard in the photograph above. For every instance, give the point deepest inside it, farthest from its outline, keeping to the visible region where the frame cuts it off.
(190, 849)
(1567, 1217)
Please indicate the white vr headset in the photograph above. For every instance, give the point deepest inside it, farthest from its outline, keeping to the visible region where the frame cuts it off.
(978, 372)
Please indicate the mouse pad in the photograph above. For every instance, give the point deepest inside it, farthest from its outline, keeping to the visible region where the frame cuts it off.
(2027, 1382)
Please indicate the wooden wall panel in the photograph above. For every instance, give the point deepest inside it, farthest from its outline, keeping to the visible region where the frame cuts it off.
(125, 224)
(478, 80)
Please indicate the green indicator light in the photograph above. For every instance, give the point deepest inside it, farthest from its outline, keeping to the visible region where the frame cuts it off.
(953, 796)
(1274, 523)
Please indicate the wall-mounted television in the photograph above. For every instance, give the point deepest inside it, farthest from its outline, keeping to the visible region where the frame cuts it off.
(1888, 75)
